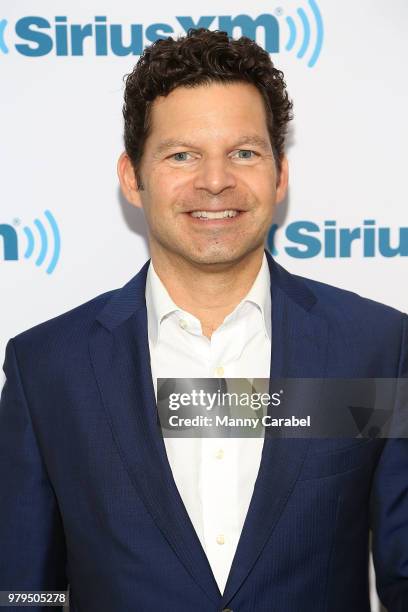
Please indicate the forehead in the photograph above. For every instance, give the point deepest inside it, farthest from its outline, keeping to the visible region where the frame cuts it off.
(221, 110)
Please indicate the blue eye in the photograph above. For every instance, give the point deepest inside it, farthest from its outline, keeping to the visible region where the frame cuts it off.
(182, 156)
(245, 154)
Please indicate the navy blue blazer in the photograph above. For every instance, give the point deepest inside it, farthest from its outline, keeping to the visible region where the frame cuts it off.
(87, 493)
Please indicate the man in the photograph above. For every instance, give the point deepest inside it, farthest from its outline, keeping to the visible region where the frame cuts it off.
(93, 496)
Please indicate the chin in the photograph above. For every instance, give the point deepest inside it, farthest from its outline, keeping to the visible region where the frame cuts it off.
(209, 258)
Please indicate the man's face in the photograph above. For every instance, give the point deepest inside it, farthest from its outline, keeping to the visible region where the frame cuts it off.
(208, 152)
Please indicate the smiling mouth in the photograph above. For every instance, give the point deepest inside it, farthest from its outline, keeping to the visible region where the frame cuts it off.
(206, 215)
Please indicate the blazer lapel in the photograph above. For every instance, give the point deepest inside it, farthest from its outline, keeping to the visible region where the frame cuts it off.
(120, 356)
(299, 350)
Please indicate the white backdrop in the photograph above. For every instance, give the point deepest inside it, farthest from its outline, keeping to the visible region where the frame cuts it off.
(65, 233)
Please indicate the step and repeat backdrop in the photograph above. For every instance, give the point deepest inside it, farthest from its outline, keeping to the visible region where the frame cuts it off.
(67, 235)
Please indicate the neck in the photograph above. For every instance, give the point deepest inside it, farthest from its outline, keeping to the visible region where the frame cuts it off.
(209, 292)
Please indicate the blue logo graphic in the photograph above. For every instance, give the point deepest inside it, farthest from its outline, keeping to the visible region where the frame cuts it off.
(37, 241)
(306, 239)
(3, 46)
(306, 41)
(38, 36)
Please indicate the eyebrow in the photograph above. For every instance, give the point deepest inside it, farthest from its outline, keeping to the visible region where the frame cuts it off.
(172, 143)
(255, 141)
(247, 139)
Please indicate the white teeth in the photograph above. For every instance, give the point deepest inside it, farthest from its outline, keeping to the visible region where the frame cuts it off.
(207, 214)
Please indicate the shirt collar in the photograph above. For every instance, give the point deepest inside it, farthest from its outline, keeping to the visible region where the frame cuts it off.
(159, 304)
(260, 295)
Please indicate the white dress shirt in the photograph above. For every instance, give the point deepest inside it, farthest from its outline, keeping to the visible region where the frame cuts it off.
(214, 476)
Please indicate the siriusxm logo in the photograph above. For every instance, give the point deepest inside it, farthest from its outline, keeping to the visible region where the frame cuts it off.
(39, 36)
(37, 244)
(306, 239)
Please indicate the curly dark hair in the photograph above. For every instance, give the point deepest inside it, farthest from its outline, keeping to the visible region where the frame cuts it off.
(200, 57)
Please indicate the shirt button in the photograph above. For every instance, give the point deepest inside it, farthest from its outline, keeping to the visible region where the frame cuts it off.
(219, 371)
(183, 324)
(219, 454)
(220, 539)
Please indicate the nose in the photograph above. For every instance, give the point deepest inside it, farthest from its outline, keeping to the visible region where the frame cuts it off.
(215, 175)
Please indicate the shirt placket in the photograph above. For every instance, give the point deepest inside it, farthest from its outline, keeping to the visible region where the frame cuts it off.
(218, 482)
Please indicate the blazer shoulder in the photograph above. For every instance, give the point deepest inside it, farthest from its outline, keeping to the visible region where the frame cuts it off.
(369, 332)
(358, 318)
(66, 328)
(350, 304)
(332, 302)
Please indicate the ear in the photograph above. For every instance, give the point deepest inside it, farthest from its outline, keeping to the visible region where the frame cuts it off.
(282, 186)
(127, 179)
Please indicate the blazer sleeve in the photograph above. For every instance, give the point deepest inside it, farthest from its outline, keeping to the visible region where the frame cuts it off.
(389, 508)
(32, 545)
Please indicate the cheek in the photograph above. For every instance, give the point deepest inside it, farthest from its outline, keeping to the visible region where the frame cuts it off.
(166, 185)
(263, 188)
